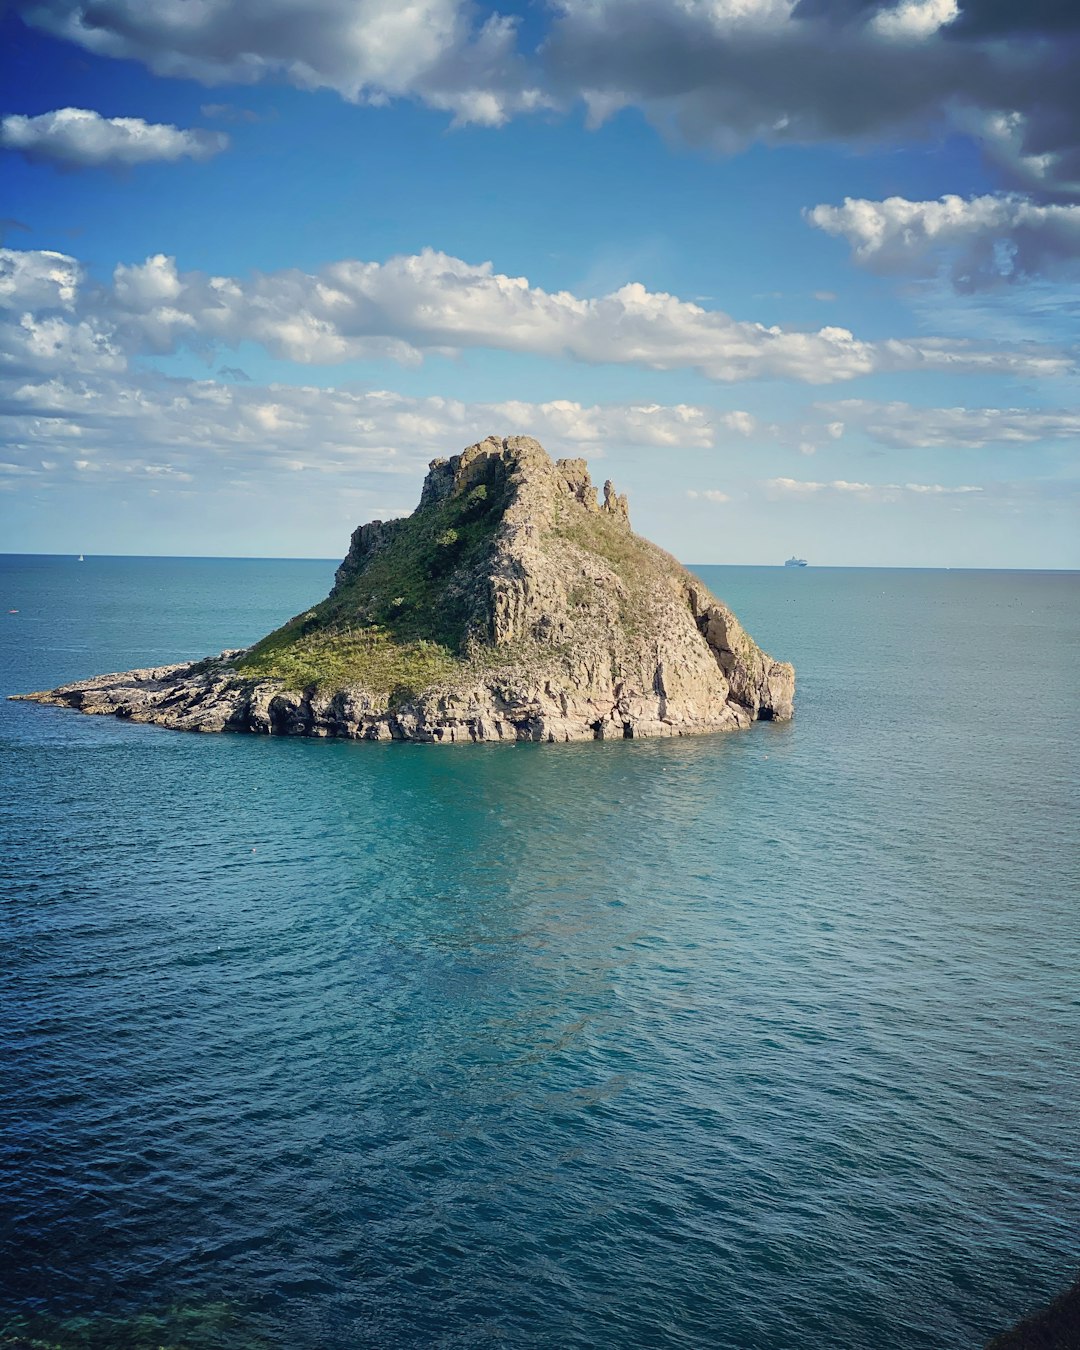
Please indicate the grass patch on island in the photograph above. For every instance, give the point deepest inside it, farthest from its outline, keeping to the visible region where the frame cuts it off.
(399, 626)
(368, 657)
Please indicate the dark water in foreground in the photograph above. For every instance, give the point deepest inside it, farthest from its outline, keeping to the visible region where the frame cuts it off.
(759, 1042)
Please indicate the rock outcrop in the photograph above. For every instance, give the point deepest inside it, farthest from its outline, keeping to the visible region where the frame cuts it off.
(511, 605)
(1055, 1327)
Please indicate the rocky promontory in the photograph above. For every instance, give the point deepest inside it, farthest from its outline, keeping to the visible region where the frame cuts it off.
(513, 604)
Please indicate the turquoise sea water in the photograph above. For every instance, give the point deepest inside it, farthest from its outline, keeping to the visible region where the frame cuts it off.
(757, 1042)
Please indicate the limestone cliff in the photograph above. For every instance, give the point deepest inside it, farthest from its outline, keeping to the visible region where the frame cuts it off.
(511, 605)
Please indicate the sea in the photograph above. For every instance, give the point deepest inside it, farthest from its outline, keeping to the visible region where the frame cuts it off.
(760, 1041)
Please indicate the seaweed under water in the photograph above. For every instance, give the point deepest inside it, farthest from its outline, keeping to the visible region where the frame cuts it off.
(200, 1326)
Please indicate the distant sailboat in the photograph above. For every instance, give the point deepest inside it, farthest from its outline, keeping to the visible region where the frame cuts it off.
(81, 558)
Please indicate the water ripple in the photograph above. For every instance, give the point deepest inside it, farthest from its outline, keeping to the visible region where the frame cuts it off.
(752, 1042)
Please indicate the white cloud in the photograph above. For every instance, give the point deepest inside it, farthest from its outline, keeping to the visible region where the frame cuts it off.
(905, 426)
(202, 427)
(442, 51)
(718, 72)
(1005, 138)
(77, 138)
(803, 488)
(141, 287)
(726, 74)
(709, 495)
(741, 422)
(984, 240)
(70, 373)
(936, 489)
(50, 343)
(914, 19)
(868, 492)
(40, 327)
(431, 302)
(37, 278)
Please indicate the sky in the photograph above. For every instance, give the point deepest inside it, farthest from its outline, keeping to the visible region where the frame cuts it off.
(800, 276)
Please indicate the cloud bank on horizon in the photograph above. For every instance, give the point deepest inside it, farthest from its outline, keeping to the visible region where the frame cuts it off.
(913, 167)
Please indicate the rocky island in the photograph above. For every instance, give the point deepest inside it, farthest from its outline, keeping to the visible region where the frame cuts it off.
(513, 604)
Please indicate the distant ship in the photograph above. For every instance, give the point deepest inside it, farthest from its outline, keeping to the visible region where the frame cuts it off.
(795, 562)
(81, 558)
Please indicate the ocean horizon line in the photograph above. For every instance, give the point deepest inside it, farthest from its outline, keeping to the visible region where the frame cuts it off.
(74, 555)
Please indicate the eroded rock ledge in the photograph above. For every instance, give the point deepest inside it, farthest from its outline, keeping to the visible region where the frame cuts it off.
(513, 604)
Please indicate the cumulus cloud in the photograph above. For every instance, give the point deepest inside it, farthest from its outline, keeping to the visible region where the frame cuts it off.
(903, 426)
(913, 20)
(983, 241)
(429, 302)
(38, 279)
(709, 495)
(76, 138)
(741, 422)
(40, 328)
(446, 52)
(1029, 158)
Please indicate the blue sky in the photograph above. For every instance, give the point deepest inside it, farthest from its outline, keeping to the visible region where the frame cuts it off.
(799, 277)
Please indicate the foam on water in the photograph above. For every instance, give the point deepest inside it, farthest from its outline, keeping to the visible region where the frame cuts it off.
(751, 1042)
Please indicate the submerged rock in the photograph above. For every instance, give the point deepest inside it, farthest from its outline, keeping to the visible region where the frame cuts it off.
(511, 605)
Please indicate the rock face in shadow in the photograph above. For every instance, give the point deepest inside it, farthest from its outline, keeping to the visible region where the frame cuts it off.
(513, 604)
(1055, 1327)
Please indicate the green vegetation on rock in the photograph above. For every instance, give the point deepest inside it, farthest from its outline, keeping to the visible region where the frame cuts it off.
(401, 623)
(339, 657)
